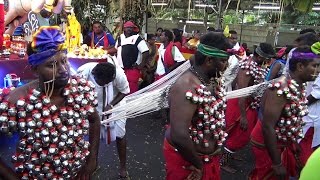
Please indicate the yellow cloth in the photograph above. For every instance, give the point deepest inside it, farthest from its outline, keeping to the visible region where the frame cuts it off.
(194, 42)
(73, 33)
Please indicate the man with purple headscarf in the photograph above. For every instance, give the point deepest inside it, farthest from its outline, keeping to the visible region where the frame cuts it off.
(276, 135)
(52, 115)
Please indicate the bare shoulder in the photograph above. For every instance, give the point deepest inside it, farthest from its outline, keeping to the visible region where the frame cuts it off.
(187, 81)
(20, 92)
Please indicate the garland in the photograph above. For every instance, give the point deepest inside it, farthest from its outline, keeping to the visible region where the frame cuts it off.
(289, 127)
(52, 141)
(258, 73)
(210, 115)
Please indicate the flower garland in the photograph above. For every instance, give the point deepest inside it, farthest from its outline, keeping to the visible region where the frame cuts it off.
(52, 141)
(258, 73)
(210, 115)
(289, 127)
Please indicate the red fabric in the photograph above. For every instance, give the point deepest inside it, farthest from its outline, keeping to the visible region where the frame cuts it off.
(157, 77)
(168, 58)
(130, 24)
(306, 143)
(178, 45)
(175, 162)
(237, 138)
(105, 40)
(133, 76)
(1, 23)
(263, 163)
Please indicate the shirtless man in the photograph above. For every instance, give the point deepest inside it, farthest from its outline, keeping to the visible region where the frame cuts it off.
(196, 132)
(241, 113)
(284, 103)
(52, 115)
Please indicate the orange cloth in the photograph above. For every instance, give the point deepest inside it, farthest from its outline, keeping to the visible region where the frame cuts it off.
(263, 163)
(175, 162)
(237, 138)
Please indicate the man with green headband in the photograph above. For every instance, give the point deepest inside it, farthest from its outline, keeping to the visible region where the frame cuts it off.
(196, 134)
(52, 115)
(241, 113)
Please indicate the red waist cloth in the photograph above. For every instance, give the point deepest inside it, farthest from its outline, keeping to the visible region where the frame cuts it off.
(263, 163)
(133, 76)
(175, 162)
(306, 143)
(237, 138)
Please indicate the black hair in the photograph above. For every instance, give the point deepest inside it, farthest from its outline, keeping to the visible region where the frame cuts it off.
(104, 70)
(213, 39)
(211, 29)
(168, 34)
(160, 29)
(294, 61)
(97, 22)
(233, 32)
(29, 49)
(308, 38)
(266, 48)
(308, 30)
(288, 49)
(150, 36)
(177, 35)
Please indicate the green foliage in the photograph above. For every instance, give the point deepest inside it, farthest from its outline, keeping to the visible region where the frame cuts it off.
(88, 11)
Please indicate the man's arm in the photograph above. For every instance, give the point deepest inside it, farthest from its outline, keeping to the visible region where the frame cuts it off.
(181, 113)
(243, 81)
(311, 100)
(6, 172)
(272, 110)
(117, 99)
(144, 61)
(94, 135)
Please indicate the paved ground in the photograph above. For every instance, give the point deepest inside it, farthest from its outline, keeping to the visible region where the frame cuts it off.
(145, 160)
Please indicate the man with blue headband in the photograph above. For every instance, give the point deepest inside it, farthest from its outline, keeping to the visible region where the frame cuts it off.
(196, 133)
(52, 115)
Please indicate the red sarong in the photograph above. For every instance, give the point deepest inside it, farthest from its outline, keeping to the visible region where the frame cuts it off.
(133, 76)
(263, 163)
(237, 138)
(175, 162)
(306, 143)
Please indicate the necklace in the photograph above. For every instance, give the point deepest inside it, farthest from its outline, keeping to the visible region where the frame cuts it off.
(200, 77)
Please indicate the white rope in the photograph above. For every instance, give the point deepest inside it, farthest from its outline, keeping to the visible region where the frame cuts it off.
(154, 97)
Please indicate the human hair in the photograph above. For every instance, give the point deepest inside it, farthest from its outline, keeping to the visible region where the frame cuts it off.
(97, 22)
(150, 36)
(168, 34)
(211, 29)
(233, 32)
(293, 62)
(288, 49)
(159, 28)
(213, 39)
(308, 38)
(307, 31)
(104, 70)
(266, 48)
(177, 35)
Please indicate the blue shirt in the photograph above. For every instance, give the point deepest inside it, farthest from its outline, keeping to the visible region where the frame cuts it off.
(111, 41)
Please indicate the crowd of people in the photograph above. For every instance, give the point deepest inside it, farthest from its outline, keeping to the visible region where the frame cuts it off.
(55, 113)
